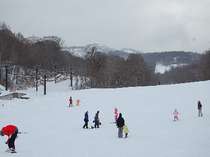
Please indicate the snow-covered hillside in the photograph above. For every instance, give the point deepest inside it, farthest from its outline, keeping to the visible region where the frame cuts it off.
(81, 51)
(35, 39)
(54, 130)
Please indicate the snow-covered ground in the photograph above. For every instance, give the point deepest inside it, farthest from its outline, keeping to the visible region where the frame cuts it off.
(54, 130)
(160, 68)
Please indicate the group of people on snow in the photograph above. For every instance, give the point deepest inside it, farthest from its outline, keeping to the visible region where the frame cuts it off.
(200, 113)
(96, 120)
(71, 102)
(120, 122)
(11, 130)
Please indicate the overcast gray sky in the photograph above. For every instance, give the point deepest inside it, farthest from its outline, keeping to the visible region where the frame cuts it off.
(145, 25)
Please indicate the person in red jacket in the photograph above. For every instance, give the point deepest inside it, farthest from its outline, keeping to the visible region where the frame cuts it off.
(11, 131)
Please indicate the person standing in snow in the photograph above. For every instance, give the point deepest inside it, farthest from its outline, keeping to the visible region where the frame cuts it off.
(176, 115)
(77, 102)
(86, 120)
(120, 124)
(70, 102)
(116, 114)
(96, 120)
(11, 131)
(125, 130)
(200, 114)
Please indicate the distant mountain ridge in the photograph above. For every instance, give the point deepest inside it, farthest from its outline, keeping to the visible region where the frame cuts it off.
(81, 51)
(35, 39)
(152, 59)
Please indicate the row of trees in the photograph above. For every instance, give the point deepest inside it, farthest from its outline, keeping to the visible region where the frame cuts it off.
(98, 69)
(112, 71)
(46, 53)
(205, 66)
(198, 71)
(95, 70)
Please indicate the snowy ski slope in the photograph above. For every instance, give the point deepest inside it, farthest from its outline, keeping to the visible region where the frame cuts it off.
(51, 129)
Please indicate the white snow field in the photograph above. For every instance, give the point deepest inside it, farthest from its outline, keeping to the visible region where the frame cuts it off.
(52, 129)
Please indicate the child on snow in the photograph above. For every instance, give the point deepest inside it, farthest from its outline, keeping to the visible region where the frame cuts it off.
(116, 114)
(125, 130)
(77, 102)
(70, 102)
(176, 115)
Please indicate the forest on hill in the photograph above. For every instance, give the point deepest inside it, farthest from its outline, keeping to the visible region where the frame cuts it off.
(21, 56)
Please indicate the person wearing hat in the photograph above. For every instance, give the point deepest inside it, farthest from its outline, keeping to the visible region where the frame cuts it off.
(11, 131)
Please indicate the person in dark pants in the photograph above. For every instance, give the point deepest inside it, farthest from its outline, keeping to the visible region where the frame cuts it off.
(96, 120)
(200, 114)
(11, 131)
(86, 120)
(120, 124)
(70, 102)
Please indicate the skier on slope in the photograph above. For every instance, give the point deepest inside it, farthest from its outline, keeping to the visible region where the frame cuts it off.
(11, 131)
(96, 120)
(200, 114)
(120, 124)
(86, 120)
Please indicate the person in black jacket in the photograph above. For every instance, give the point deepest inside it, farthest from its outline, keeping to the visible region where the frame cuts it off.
(70, 102)
(120, 124)
(86, 120)
(200, 114)
(96, 120)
